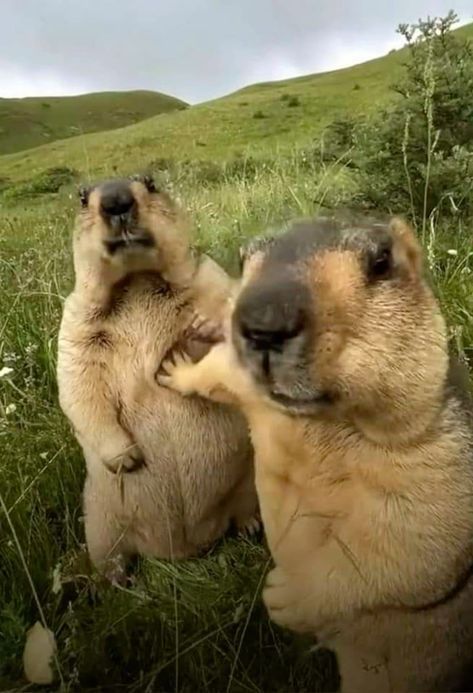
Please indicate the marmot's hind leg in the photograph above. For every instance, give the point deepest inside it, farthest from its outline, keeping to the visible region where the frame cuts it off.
(106, 539)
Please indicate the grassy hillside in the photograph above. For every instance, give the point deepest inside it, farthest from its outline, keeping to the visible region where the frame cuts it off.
(260, 118)
(30, 122)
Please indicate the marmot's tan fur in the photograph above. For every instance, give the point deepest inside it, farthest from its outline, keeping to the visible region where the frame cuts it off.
(189, 461)
(337, 354)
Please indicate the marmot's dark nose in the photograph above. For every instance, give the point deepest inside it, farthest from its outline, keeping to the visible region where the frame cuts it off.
(269, 317)
(116, 198)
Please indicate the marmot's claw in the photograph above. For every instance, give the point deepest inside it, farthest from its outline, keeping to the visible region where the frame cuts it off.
(164, 380)
(204, 329)
(171, 370)
(250, 527)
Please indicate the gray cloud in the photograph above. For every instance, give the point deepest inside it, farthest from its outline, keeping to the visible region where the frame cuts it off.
(194, 49)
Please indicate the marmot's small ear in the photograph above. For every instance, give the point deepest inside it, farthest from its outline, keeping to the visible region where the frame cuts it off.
(406, 245)
(148, 182)
(83, 193)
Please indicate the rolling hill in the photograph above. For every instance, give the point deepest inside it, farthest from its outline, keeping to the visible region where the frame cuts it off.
(257, 119)
(30, 122)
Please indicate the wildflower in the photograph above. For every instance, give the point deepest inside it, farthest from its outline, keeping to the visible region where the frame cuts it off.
(57, 582)
(10, 409)
(6, 370)
(452, 252)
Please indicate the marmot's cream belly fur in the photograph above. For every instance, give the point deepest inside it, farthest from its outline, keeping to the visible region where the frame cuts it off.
(196, 452)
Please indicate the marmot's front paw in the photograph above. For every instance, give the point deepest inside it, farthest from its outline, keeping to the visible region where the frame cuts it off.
(122, 455)
(174, 372)
(285, 605)
(125, 260)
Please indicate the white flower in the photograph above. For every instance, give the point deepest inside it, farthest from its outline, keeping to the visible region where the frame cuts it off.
(57, 583)
(452, 252)
(6, 370)
(43, 455)
(10, 409)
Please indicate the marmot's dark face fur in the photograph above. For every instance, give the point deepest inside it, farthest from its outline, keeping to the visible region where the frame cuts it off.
(328, 313)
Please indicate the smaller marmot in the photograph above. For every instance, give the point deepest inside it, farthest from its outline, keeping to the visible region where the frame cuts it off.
(190, 465)
(337, 353)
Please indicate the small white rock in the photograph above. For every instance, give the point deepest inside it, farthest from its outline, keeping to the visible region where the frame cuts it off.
(452, 252)
(38, 653)
(10, 409)
(6, 370)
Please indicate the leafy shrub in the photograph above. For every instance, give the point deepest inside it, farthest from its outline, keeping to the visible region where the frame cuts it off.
(49, 181)
(417, 155)
(293, 102)
(52, 180)
(339, 139)
(258, 115)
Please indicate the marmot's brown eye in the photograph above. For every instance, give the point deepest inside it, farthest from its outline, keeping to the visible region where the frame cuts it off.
(381, 264)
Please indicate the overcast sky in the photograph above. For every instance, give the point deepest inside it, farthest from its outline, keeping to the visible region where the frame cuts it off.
(193, 49)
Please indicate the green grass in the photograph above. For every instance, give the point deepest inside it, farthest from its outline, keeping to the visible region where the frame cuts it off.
(225, 127)
(198, 624)
(180, 627)
(31, 122)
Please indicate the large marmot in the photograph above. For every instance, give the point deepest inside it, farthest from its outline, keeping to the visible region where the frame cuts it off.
(185, 466)
(337, 353)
